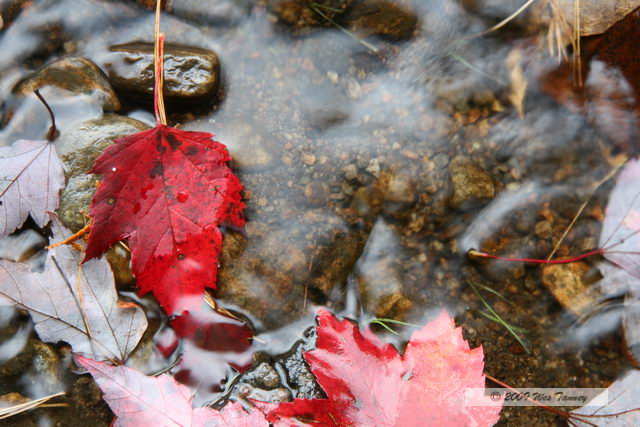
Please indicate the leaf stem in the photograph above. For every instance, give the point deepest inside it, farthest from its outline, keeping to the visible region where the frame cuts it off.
(477, 254)
(158, 60)
(52, 129)
(84, 230)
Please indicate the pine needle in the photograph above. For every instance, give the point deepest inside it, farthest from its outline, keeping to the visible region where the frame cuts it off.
(365, 43)
(507, 19)
(382, 321)
(499, 320)
(518, 81)
(27, 406)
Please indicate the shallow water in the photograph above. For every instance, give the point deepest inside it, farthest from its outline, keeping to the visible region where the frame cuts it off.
(348, 154)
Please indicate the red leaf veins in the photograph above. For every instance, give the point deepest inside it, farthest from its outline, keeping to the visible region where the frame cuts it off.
(167, 191)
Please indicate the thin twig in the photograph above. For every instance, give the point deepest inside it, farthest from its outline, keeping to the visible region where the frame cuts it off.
(584, 205)
(52, 129)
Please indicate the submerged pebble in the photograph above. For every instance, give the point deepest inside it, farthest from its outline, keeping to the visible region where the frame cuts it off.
(470, 182)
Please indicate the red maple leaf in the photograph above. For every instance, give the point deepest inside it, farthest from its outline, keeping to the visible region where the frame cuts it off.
(369, 384)
(167, 191)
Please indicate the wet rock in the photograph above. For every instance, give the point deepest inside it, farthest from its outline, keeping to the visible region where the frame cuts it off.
(9, 10)
(262, 383)
(367, 203)
(379, 282)
(350, 172)
(569, 285)
(382, 18)
(470, 182)
(381, 294)
(86, 392)
(596, 16)
(190, 74)
(299, 377)
(246, 391)
(335, 261)
(251, 148)
(396, 188)
(45, 366)
(14, 337)
(266, 376)
(70, 77)
(78, 149)
(151, 4)
(374, 168)
(267, 273)
(316, 193)
(252, 279)
(325, 118)
(120, 262)
(308, 159)
(543, 229)
(36, 363)
(12, 399)
(21, 246)
(216, 12)
(308, 13)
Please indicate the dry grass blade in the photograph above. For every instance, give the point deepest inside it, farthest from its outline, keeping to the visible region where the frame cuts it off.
(577, 59)
(214, 305)
(559, 34)
(611, 174)
(518, 80)
(495, 317)
(316, 8)
(22, 407)
(508, 19)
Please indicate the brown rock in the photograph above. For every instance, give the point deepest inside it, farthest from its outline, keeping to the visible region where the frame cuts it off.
(316, 193)
(218, 12)
(597, 16)
(252, 148)
(120, 262)
(270, 273)
(382, 18)
(470, 183)
(378, 280)
(568, 285)
(308, 13)
(70, 77)
(190, 74)
(396, 187)
(78, 149)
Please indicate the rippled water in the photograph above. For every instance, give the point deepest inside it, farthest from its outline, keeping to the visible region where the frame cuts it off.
(349, 157)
